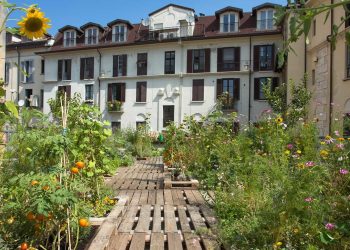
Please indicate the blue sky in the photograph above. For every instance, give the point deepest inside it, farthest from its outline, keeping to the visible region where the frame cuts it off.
(79, 12)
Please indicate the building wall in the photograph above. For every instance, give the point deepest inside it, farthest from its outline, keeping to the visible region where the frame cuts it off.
(2, 44)
(156, 79)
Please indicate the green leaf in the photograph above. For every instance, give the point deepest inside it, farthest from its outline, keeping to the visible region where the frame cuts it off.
(307, 25)
(11, 107)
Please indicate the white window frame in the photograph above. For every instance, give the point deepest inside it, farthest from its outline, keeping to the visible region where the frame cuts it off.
(72, 36)
(231, 26)
(265, 19)
(29, 78)
(93, 33)
(114, 33)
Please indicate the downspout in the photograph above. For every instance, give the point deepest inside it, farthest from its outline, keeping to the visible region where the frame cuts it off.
(181, 83)
(250, 78)
(99, 80)
(331, 74)
(18, 71)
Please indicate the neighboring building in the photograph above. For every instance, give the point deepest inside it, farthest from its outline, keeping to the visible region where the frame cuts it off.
(26, 81)
(328, 70)
(172, 65)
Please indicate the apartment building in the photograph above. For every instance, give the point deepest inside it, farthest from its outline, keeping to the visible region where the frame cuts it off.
(171, 65)
(24, 70)
(328, 69)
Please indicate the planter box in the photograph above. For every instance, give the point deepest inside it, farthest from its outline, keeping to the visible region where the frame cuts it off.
(172, 184)
(107, 228)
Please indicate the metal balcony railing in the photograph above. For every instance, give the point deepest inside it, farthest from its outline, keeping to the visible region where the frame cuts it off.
(229, 27)
(265, 24)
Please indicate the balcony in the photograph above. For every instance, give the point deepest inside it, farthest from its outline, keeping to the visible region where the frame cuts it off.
(171, 33)
(265, 24)
(229, 27)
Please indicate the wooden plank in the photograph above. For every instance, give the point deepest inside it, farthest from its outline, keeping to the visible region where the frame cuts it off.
(136, 198)
(119, 242)
(136, 181)
(128, 220)
(169, 219)
(157, 241)
(175, 198)
(210, 244)
(199, 197)
(174, 241)
(190, 197)
(138, 241)
(209, 216)
(157, 219)
(180, 197)
(184, 223)
(160, 197)
(144, 219)
(168, 199)
(151, 197)
(144, 197)
(192, 241)
(196, 218)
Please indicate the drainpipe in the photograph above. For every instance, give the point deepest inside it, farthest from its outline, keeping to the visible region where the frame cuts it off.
(331, 75)
(250, 78)
(18, 71)
(181, 83)
(99, 80)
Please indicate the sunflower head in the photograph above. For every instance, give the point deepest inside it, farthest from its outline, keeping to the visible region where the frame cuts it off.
(34, 24)
(279, 120)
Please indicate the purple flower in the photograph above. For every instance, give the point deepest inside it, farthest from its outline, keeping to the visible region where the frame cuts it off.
(310, 164)
(329, 226)
(308, 199)
(343, 171)
(290, 146)
(340, 146)
(337, 133)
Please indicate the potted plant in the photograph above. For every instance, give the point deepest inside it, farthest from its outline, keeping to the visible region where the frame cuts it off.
(114, 105)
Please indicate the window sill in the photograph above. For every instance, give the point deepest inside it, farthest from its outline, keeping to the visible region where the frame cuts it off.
(140, 102)
(260, 100)
(27, 82)
(92, 79)
(346, 79)
(65, 81)
(197, 102)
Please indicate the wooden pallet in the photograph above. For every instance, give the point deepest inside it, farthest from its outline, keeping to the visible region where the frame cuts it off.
(170, 184)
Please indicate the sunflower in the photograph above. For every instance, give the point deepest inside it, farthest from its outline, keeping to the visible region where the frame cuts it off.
(34, 24)
(279, 120)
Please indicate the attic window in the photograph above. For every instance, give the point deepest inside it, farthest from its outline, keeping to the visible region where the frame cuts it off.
(91, 36)
(69, 38)
(265, 19)
(229, 22)
(119, 33)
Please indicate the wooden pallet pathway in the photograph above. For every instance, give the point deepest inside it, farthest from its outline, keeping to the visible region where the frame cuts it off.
(158, 218)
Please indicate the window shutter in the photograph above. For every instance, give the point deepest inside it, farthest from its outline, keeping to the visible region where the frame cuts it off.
(22, 68)
(194, 91)
(189, 61)
(59, 70)
(237, 89)
(110, 92)
(200, 91)
(143, 91)
(256, 55)
(122, 92)
(207, 60)
(237, 62)
(273, 57)
(68, 91)
(91, 68)
(115, 66)
(219, 88)
(275, 82)
(256, 88)
(82, 67)
(125, 64)
(69, 69)
(219, 62)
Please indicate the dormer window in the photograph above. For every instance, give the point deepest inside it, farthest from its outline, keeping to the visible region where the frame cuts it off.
(91, 36)
(265, 19)
(69, 38)
(229, 22)
(119, 33)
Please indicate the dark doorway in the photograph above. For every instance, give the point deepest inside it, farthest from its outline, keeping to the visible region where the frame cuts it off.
(28, 93)
(168, 115)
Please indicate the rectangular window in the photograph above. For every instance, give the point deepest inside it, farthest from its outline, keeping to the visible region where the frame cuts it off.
(91, 36)
(141, 91)
(119, 33)
(64, 70)
(27, 72)
(115, 126)
(169, 64)
(89, 92)
(7, 73)
(42, 67)
(348, 61)
(87, 68)
(229, 59)
(158, 26)
(229, 23)
(313, 77)
(264, 57)
(198, 90)
(266, 20)
(28, 95)
(228, 91)
(141, 64)
(65, 89)
(69, 38)
(116, 92)
(259, 84)
(119, 65)
(198, 60)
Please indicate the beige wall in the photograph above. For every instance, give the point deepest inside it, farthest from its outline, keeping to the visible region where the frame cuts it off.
(2, 44)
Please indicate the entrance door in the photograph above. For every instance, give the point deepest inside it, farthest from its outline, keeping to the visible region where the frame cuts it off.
(168, 115)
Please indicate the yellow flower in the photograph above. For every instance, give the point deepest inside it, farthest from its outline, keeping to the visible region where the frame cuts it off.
(296, 230)
(278, 243)
(287, 152)
(328, 137)
(324, 154)
(323, 143)
(299, 152)
(301, 165)
(34, 24)
(341, 139)
(279, 120)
